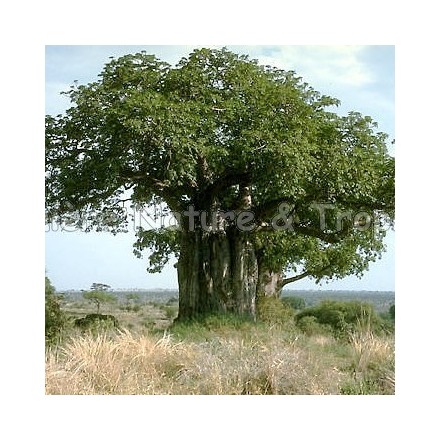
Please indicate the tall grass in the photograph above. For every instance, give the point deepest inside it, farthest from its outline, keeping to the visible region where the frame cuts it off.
(373, 361)
(217, 358)
(121, 364)
(148, 364)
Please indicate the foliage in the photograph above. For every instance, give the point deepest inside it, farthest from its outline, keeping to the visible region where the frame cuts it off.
(96, 323)
(296, 302)
(310, 325)
(392, 312)
(388, 318)
(55, 319)
(133, 298)
(272, 310)
(99, 297)
(342, 317)
(172, 301)
(99, 287)
(132, 303)
(164, 243)
(171, 311)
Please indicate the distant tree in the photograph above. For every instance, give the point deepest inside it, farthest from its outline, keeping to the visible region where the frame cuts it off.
(99, 295)
(100, 287)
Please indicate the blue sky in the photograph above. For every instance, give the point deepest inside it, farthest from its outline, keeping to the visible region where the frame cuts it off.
(362, 77)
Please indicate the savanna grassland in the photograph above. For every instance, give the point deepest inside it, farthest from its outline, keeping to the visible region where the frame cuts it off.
(331, 347)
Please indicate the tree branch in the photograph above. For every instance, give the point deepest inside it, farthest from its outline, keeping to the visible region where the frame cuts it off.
(304, 275)
(213, 189)
(294, 278)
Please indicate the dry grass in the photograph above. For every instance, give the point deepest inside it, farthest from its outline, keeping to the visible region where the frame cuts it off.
(263, 361)
(219, 356)
(121, 364)
(369, 349)
(373, 362)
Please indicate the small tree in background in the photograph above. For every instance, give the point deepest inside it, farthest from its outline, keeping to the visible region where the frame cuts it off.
(99, 287)
(99, 295)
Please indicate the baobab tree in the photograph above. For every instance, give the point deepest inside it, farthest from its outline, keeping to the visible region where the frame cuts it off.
(260, 174)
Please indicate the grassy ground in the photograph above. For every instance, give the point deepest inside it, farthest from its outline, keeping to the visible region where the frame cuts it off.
(149, 355)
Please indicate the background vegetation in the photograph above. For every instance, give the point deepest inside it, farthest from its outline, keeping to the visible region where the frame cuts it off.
(332, 347)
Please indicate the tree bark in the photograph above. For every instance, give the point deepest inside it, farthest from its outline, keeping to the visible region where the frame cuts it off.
(270, 282)
(217, 273)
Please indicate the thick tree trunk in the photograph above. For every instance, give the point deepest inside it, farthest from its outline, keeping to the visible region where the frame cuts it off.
(217, 273)
(270, 282)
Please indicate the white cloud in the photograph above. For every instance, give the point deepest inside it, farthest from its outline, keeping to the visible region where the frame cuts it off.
(339, 65)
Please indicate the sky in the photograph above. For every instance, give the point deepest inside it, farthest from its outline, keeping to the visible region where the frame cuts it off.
(361, 77)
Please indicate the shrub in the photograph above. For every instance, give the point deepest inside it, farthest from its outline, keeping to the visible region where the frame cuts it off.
(309, 325)
(296, 302)
(96, 320)
(392, 312)
(55, 319)
(130, 308)
(273, 310)
(171, 312)
(172, 301)
(342, 317)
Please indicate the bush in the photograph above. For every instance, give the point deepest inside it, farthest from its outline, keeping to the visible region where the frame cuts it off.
(171, 312)
(130, 308)
(55, 319)
(388, 319)
(309, 325)
(392, 312)
(172, 301)
(296, 302)
(98, 320)
(273, 310)
(343, 317)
